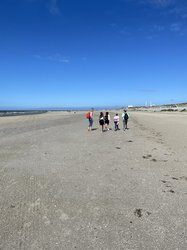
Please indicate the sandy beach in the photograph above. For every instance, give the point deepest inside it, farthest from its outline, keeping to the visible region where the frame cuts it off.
(62, 187)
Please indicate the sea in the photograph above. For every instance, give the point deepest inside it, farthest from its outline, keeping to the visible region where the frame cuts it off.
(18, 112)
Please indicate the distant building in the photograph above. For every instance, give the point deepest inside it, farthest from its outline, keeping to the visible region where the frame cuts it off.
(130, 106)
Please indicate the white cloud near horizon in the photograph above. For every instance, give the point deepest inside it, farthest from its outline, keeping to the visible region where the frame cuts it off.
(53, 57)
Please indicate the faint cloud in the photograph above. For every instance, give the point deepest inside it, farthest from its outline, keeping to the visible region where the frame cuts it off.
(150, 37)
(175, 27)
(53, 7)
(161, 3)
(37, 56)
(171, 7)
(54, 57)
(58, 58)
(113, 25)
(159, 28)
(119, 29)
(178, 11)
(184, 16)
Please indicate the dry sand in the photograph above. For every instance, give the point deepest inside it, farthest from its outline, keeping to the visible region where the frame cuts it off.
(62, 187)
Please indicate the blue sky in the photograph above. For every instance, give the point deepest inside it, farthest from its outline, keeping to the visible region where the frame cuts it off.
(64, 53)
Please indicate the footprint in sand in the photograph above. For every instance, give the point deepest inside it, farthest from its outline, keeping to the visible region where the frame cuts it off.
(146, 156)
(174, 178)
(163, 181)
(154, 160)
(171, 191)
(183, 178)
(139, 212)
(167, 186)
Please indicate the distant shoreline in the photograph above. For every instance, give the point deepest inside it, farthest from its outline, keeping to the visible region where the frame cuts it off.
(4, 113)
(180, 107)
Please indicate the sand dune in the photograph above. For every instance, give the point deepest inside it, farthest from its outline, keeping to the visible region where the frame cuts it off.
(63, 187)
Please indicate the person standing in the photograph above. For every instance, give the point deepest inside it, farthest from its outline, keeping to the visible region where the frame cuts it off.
(116, 122)
(89, 116)
(101, 121)
(107, 121)
(125, 118)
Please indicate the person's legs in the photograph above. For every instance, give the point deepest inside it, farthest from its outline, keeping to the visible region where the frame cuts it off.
(106, 126)
(102, 127)
(115, 125)
(90, 124)
(123, 124)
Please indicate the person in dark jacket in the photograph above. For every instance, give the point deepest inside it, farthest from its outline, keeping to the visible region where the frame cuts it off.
(107, 121)
(101, 121)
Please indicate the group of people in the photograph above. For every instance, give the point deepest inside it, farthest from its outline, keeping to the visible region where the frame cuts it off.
(104, 120)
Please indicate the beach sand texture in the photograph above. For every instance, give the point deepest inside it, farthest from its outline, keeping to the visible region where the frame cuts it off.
(62, 187)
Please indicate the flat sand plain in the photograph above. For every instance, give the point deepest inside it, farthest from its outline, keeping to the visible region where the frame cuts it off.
(62, 187)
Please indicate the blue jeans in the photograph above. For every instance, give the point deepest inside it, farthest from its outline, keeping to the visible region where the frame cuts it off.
(116, 125)
(90, 122)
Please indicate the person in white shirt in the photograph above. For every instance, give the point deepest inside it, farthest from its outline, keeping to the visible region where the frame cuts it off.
(116, 122)
(125, 118)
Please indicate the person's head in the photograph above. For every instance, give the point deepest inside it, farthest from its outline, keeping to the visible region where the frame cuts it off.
(106, 113)
(101, 114)
(124, 111)
(116, 114)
